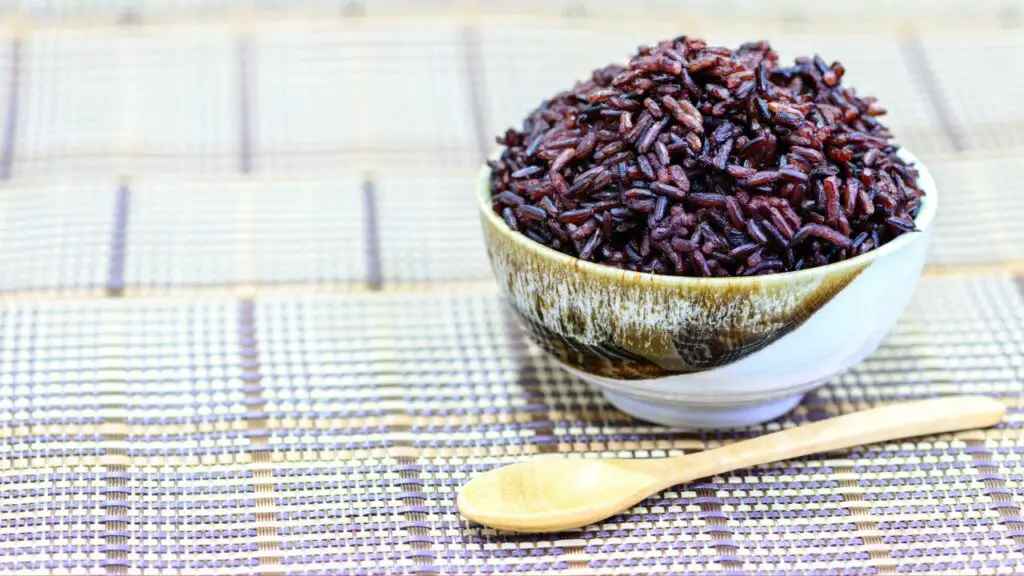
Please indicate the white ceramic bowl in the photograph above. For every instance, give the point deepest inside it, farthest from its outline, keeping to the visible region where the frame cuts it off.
(707, 352)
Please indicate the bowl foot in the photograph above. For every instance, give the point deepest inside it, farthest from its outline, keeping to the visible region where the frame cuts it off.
(701, 416)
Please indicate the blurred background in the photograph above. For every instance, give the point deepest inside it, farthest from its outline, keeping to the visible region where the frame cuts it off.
(291, 140)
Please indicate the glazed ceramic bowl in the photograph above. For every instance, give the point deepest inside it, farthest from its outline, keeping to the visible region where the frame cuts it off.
(706, 352)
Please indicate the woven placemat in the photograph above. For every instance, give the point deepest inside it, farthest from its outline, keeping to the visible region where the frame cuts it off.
(249, 324)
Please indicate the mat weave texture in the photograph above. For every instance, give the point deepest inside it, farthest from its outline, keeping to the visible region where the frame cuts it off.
(249, 324)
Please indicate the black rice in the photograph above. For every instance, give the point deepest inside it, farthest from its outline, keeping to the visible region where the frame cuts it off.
(704, 161)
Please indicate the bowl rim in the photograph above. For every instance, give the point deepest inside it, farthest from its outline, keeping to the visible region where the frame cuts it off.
(924, 219)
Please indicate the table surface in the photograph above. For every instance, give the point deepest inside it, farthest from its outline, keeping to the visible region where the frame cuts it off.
(249, 326)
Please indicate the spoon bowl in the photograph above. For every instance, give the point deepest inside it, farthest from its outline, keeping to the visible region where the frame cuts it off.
(556, 494)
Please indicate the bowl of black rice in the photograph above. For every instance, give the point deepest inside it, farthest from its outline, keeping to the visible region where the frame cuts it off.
(706, 233)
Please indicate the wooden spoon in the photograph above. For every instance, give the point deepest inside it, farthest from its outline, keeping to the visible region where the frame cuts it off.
(558, 494)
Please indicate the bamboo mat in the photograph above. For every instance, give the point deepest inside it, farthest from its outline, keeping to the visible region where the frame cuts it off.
(249, 325)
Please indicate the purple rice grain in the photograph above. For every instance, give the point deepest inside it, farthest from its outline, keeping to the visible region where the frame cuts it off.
(704, 161)
(673, 192)
(756, 232)
(645, 167)
(510, 218)
(660, 209)
(735, 212)
(529, 213)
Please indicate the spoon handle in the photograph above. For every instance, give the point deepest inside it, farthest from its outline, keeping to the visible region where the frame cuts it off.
(892, 422)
